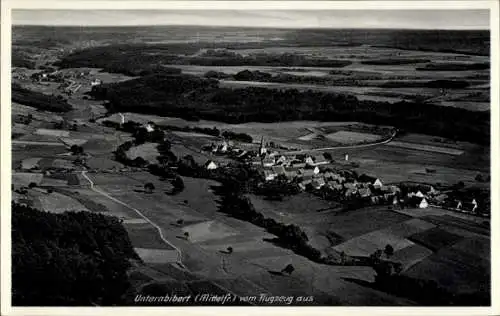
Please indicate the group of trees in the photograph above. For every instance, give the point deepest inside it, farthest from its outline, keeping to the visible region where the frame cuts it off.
(289, 236)
(68, 259)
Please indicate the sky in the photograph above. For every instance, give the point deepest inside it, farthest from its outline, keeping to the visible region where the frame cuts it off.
(406, 19)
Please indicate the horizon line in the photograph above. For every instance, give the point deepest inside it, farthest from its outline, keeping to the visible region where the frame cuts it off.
(257, 27)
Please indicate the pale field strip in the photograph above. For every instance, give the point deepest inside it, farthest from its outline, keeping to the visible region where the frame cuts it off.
(441, 150)
(25, 178)
(30, 163)
(208, 230)
(192, 134)
(348, 137)
(51, 132)
(59, 203)
(157, 255)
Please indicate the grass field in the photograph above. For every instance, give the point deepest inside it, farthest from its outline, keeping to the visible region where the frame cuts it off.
(25, 178)
(147, 151)
(57, 203)
(442, 150)
(347, 137)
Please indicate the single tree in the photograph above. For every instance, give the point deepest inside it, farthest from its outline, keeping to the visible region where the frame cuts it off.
(288, 269)
(180, 221)
(149, 187)
(186, 235)
(32, 185)
(388, 250)
(229, 249)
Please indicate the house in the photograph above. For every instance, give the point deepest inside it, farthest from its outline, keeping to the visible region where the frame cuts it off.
(346, 157)
(222, 147)
(268, 161)
(350, 192)
(319, 160)
(377, 184)
(95, 82)
(308, 172)
(281, 160)
(365, 192)
(279, 170)
(350, 186)
(274, 154)
(149, 127)
(210, 165)
(297, 164)
(269, 175)
(419, 194)
(290, 175)
(329, 175)
(318, 183)
(423, 203)
(309, 161)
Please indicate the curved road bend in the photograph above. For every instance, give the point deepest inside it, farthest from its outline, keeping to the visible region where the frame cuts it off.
(179, 253)
(343, 147)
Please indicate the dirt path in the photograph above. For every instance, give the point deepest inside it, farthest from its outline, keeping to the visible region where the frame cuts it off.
(179, 253)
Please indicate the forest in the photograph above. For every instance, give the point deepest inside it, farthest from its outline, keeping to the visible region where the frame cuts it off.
(194, 98)
(69, 259)
(39, 100)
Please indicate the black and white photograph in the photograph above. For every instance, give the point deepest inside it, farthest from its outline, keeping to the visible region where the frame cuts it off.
(250, 157)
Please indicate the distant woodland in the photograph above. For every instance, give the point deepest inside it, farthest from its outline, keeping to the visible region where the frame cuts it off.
(193, 98)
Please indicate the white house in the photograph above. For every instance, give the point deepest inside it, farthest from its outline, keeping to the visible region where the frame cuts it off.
(419, 194)
(268, 161)
(309, 161)
(210, 165)
(269, 175)
(281, 160)
(378, 184)
(318, 183)
(423, 203)
(95, 82)
(149, 127)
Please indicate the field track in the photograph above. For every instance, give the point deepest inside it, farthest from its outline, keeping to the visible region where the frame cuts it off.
(383, 142)
(179, 256)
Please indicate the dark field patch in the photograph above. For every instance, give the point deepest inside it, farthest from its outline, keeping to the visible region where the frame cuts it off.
(435, 238)
(362, 221)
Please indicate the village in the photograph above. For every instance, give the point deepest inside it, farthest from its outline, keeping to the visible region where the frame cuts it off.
(321, 175)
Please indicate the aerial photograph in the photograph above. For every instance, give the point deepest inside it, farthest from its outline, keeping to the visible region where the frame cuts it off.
(250, 158)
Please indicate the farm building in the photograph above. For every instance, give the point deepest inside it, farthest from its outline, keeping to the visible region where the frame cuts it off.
(210, 165)
(335, 186)
(279, 170)
(350, 192)
(95, 82)
(419, 194)
(350, 186)
(269, 175)
(318, 183)
(319, 160)
(268, 161)
(308, 172)
(281, 160)
(423, 203)
(365, 192)
(290, 175)
(149, 127)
